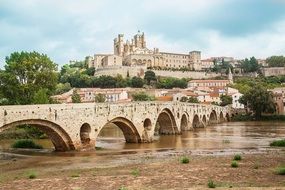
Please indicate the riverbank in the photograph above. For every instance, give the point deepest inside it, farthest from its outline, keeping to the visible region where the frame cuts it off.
(151, 170)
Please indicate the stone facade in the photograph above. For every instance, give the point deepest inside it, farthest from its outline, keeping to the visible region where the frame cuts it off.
(76, 126)
(273, 71)
(136, 53)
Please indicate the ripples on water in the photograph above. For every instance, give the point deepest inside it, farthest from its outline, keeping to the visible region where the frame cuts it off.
(233, 135)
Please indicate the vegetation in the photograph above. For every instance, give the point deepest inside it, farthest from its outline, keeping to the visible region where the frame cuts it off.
(280, 143)
(170, 83)
(25, 74)
(211, 184)
(142, 96)
(75, 97)
(184, 160)
(237, 157)
(280, 170)
(26, 143)
(259, 100)
(100, 98)
(276, 61)
(149, 76)
(32, 175)
(234, 164)
(226, 100)
(191, 99)
(135, 172)
(222, 67)
(250, 65)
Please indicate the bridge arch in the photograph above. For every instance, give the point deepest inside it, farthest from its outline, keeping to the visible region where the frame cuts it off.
(227, 117)
(165, 123)
(58, 136)
(222, 117)
(147, 124)
(213, 117)
(196, 121)
(127, 127)
(184, 122)
(85, 130)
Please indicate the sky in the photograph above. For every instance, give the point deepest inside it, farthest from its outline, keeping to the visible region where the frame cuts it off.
(72, 29)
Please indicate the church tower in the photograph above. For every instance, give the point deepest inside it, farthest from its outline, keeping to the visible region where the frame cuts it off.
(230, 76)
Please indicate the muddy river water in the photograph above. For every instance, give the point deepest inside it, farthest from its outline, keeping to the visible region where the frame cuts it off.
(226, 137)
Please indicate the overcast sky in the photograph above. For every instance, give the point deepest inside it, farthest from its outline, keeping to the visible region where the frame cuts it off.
(72, 29)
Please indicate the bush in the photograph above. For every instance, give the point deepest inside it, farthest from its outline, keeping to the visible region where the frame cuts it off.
(237, 157)
(32, 176)
(184, 160)
(211, 184)
(278, 143)
(234, 164)
(26, 143)
(280, 170)
(135, 172)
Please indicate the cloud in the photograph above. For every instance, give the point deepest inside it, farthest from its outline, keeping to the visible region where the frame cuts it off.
(71, 29)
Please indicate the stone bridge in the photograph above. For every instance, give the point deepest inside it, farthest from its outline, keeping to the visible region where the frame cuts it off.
(76, 126)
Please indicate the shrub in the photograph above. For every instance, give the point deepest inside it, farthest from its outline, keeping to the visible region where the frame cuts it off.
(26, 143)
(123, 188)
(135, 172)
(280, 170)
(237, 157)
(184, 160)
(278, 143)
(234, 164)
(32, 176)
(211, 184)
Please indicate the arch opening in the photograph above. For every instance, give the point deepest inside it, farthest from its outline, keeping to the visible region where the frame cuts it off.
(165, 123)
(85, 134)
(228, 117)
(204, 120)
(196, 121)
(147, 124)
(222, 117)
(58, 136)
(184, 123)
(213, 117)
(127, 130)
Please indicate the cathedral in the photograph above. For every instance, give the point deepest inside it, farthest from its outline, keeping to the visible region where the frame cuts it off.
(136, 53)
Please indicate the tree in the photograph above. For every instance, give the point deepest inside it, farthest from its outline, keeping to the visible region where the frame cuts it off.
(62, 88)
(137, 82)
(100, 98)
(149, 76)
(75, 97)
(192, 99)
(25, 73)
(259, 100)
(142, 96)
(250, 65)
(226, 100)
(41, 97)
(276, 61)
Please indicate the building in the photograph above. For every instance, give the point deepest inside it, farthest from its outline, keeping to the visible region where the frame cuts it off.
(273, 71)
(208, 83)
(136, 53)
(89, 94)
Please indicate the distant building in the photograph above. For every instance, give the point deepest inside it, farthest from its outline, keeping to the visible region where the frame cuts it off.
(273, 71)
(208, 83)
(136, 53)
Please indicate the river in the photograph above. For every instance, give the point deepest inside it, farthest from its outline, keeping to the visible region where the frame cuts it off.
(225, 136)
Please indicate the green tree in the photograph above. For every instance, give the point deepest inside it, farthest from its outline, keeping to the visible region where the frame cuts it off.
(142, 96)
(149, 76)
(276, 61)
(62, 88)
(259, 100)
(24, 74)
(250, 65)
(192, 99)
(75, 97)
(226, 100)
(137, 82)
(41, 97)
(100, 98)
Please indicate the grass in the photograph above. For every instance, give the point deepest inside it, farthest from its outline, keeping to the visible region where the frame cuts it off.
(26, 143)
(280, 170)
(184, 160)
(234, 164)
(32, 175)
(225, 141)
(211, 184)
(123, 188)
(75, 175)
(280, 143)
(135, 172)
(237, 157)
